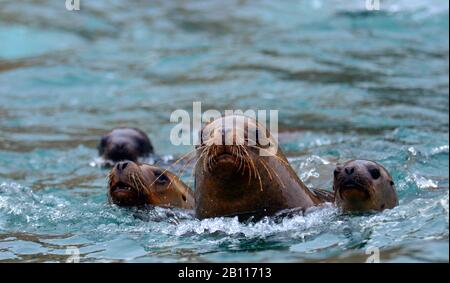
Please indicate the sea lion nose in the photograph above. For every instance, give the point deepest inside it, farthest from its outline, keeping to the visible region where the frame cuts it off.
(120, 146)
(349, 170)
(122, 165)
(220, 136)
(223, 133)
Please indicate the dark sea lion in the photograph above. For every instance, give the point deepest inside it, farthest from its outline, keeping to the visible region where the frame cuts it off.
(124, 144)
(363, 185)
(240, 171)
(133, 184)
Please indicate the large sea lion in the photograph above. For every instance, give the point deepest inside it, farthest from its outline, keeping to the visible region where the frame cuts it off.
(240, 171)
(363, 185)
(133, 184)
(124, 144)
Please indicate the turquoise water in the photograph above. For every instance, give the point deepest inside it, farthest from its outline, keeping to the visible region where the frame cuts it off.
(348, 83)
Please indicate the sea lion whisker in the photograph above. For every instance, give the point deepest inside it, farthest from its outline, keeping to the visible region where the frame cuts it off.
(135, 182)
(144, 188)
(235, 151)
(272, 155)
(206, 160)
(247, 161)
(212, 160)
(187, 165)
(246, 158)
(180, 159)
(267, 169)
(210, 157)
(171, 181)
(253, 166)
(183, 169)
(279, 179)
(260, 181)
(131, 181)
(241, 161)
(257, 174)
(172, 165)
(202, 154)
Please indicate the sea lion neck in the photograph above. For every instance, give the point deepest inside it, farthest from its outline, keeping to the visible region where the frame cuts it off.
(227, 182)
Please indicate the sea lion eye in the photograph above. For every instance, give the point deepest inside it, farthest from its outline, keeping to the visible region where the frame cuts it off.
(375, 173)
(392, 183)
(161, 177)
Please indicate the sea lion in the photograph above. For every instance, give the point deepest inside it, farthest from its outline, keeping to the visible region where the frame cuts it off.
(363, 185)
(241, 171)
(124, 144)
(133, 184)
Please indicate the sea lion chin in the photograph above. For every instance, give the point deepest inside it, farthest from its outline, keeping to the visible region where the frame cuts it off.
(241, 171)
(132, 184)
(362, 186)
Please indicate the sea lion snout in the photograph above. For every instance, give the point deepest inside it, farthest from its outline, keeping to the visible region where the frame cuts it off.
(122, 166)
(351, 185)
(123, 188)
(349, 170)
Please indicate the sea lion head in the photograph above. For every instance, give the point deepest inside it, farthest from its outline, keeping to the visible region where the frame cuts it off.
(234, 140)
(363, 185)
(241, 170)
(125, 144)
(133, 184)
